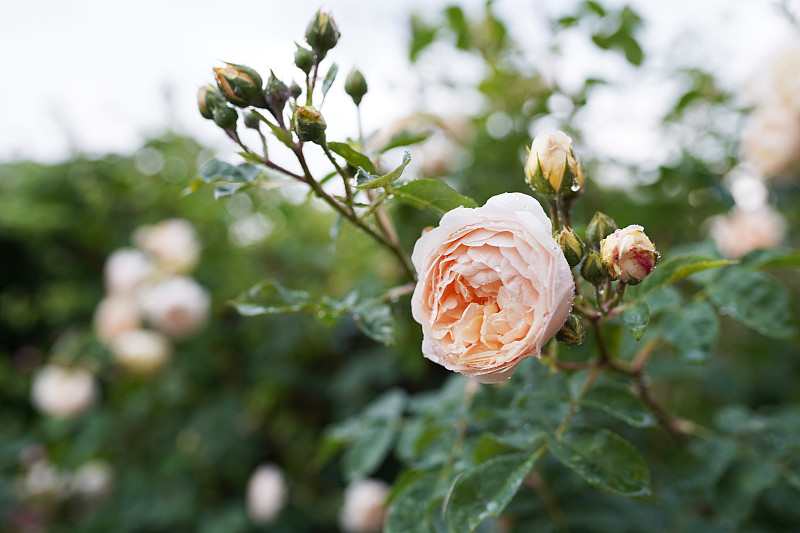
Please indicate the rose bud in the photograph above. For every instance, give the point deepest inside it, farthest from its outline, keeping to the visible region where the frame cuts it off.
(276, 94)
(225, 117)
(322, 33)
(552, 168)
(600, 227)
(295, 91)
(266, 494)
(240, 85)
(356, 86)
(63, 392)
(628, 254)
(207, 98)
(304, 59)
(593, 269)
(573, 332)
(140, 350)
(364, 508)
(309, 124)
(571, 245)
(252, 121)
(494, 287)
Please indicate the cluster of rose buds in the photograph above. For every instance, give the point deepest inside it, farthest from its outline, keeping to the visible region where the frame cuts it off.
(151, 284)
(239, 86)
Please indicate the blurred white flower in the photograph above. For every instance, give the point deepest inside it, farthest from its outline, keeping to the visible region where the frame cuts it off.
(741, 231)
(115, 315)
(177, 305)
(266, 494)
(63, 392)
(42, 481)
(93, 480)
(141, 350)
(364, 510)
(126, 269)
(172, 243)
(771, 140)
(784, 74)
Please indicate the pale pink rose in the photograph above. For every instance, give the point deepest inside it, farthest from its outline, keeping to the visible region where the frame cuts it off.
(771, 140)
(176, 305)
(116, 314)
(266, 494)
(628, 254)
(126, 269)
(63, 392)
(493, 287)
(744, 231)
(785, 76)
(141, 350)
(364, 508)
(172, 242)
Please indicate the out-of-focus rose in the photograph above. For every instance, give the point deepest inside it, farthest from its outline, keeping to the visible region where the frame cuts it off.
(552, 167)
(42, 481)
(364, 507)
(493, 287)
(63, 392)
(126, 269)
(771, 140)
(172, 242)
(628, 254)
(141, 350)
(93, 480)
(740, 231)
(115, 315)
(177, 305)
(785, 77)
(266, 494)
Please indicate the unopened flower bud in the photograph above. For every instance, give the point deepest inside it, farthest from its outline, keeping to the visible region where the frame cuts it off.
(251, 120)
(309, 124)
(356, 86)
(240, 85)
(552, 168)
(225, 117)
(571, 245)
(276, 94)
(304, 59)
(572, 332)
(207, 98)
(599, 228)
(295, 91)
(322, 33)
(628, 254)
(592, 269)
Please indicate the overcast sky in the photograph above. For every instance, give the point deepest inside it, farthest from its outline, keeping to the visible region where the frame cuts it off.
(93, 75)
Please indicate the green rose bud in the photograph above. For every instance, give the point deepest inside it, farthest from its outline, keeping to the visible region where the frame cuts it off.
(304, 59)
(309, 124)
(593, 269)
(322, 33)
(252, 121)
(572, 332)
(207, 99)
(599, 228)
(295, 91)
(240, 85)
(225, 117)
(571, 244)
(276, 94)
(356, 86)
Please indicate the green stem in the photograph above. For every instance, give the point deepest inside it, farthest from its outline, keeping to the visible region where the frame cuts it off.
(573, 403)
(345, 178)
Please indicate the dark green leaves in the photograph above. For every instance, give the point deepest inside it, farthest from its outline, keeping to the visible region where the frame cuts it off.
(329, 78)
(355, 158)
(618, 401)
(230, 179)
(636, 317)
(693, 329)
(432, 194)
(372, 316)
(485, 491)
(755, 300)
(405, 138)
(604, 460)
(676, 269)
(365, 180)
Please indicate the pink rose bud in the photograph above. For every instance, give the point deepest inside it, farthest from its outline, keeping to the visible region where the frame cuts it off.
(552, 168)
(628, 254)
(493, 287)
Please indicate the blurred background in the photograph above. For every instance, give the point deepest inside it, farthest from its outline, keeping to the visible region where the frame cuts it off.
(100, 136)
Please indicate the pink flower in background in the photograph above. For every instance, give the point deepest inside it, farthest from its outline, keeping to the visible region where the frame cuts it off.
(741, 231)
(493, 287)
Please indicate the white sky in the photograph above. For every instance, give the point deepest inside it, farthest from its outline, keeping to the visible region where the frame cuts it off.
(93, 74)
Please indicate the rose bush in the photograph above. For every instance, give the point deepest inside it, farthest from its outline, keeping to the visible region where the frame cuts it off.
(493, 287)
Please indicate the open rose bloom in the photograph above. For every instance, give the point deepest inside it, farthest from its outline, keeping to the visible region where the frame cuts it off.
(493, 287)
